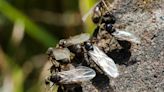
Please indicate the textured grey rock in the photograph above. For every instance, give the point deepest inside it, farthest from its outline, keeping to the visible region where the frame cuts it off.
(144, 18)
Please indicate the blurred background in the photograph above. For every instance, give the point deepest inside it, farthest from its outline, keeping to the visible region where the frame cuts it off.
(27, 29)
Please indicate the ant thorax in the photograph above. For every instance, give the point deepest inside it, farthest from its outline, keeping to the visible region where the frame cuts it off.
(106, 42)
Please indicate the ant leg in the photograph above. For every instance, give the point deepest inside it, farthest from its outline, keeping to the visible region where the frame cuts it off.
(51, 87)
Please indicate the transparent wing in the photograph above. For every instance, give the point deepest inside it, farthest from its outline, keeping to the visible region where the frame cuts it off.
(77, 75)
(104, 62)
(124, 35)
(89, 12)
(77, 39)
(62, 53)
(58, 53)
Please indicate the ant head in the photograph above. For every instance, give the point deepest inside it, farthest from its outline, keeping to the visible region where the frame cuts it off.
(88, 46)
(109, 28)
(62, 43)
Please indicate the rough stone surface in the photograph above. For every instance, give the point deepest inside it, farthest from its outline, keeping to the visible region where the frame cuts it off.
(144, 18)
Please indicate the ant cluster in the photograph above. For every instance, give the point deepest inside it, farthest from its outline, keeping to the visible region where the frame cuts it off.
(78, 59)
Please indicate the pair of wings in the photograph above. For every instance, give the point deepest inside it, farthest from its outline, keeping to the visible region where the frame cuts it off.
(76, 75)
(76, 39)
(59, 53)
(104, 62)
